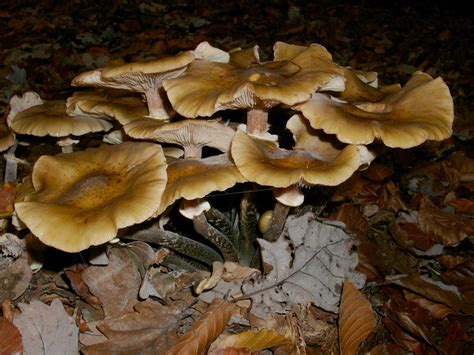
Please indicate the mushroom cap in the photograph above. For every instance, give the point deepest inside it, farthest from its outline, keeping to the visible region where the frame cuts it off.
(357, 89)
(21, 103)
(264, 162)
(50, 118)
(196, 178)
(123, 108)
(421, 110)
(82, 198)
(136, 76)
(7, 138)
(244, 82)
(186, 133)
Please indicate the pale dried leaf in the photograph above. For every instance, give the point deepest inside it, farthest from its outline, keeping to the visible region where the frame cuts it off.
(15, 278)
(205, 330)
(117, 284)
(251, 341)
(445, 228)
(137, 332)
(210, 282)
(309, 267)
(47, 329)
(10, 338)
(356, 319)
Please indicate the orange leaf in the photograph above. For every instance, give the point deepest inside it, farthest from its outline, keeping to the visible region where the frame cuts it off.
(356, 319)
(205, 330)
(10, 338)
(436, 310)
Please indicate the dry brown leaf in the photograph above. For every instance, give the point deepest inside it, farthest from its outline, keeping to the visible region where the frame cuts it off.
(462, 276)
(445, 228)
(402, 338)
(47, 329)
(7, 197)
(250, 341)
(462, 205)
(10, 338)
(353, 219)
(435, 291)
(436, 310)
(356, 319)
(116, 285)
(205, 330)
(137, 332)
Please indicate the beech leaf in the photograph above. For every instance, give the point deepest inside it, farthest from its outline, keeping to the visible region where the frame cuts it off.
(10, 338)
(356, 319)
(309, 266)
(205, 330)
(47, 329)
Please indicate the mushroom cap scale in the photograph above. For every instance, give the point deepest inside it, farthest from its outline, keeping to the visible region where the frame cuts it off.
(50, 118)
(264, 162)
(82, 198)
(421, 110)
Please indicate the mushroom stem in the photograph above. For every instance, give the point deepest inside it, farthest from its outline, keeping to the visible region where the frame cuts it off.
(154, 99)
(257, 121)
(212, 234)
(178, 243)
(280, 213)
(192, 151)
(248, 230)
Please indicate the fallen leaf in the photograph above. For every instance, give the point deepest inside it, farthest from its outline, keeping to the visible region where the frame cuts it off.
(309, 267)
(10, 338)
(116, 285)
(436, 310)
(462, 275)
(47, 329)
(356, 319)
(205, 330)
(15, 272)
(402, 338)
(249, 341)
(150, 327)
(7, 197)
(445, 228)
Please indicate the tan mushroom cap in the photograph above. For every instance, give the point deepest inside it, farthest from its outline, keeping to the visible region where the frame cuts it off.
(421, 110)
(207, 87)
(192, 135)
(82, 198)
(7, 138)
(264, 162)
(123, 108)
(51, 119)
(133, 76)
(196, 178)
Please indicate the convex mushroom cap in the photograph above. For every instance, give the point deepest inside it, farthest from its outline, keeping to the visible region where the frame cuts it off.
(145, 77)
(104, 105)
(319, 162)
(421, 110)
(50, 118)
(245, 82)
(192, 135)
(81, 199)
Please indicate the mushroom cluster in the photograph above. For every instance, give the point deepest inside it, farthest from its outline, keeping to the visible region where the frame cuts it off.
(181, 142)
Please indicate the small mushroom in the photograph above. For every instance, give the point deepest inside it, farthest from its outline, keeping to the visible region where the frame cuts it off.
(145, 77)
(50, 119)
(81, 199)
(421, 110)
